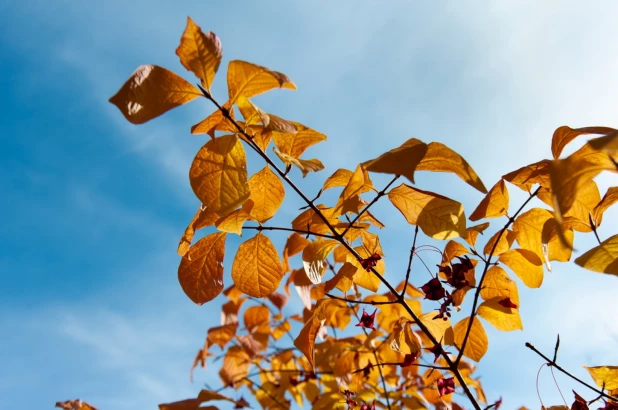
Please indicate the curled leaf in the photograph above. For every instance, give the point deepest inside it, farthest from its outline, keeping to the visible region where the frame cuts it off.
(200, 53)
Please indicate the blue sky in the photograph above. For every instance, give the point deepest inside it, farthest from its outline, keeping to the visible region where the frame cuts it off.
(93, 206)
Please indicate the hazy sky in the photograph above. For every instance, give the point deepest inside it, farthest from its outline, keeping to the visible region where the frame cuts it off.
(93, 206)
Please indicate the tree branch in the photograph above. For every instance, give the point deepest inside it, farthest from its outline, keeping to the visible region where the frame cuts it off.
(412, 250)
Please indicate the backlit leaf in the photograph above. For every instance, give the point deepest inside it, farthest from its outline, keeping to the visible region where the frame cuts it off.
(203, 217)
(437, 215)
(267, 193)
(604, 376)
(201, 270)
(256, 316)
(218, 174)
(503, 245)
(399, 161)
(494, 204)
(341, 177)
(526, 264)
(610, 198)
(528, 228)
(502, 318)
(256, 270)
(215, 122)
(440, 158)
(151, 91)
(497, 283)
(608, 143)
(442, 330)
(473, 232)
(563, 135)
(306, 338)
(602, 258)
(314, 255)
(305, 165)
(200, 53)
(477, 344)
(405, 340)
(343, 279)
(235, 365)
(232, 222)
(359, 183)
(248, 79)
(526, 177)
(586, 198)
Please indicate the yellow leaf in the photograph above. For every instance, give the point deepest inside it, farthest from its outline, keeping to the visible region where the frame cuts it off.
(526, 265)
(440, 158)
(267, 193)
(502, 318)
(306, 338)
(362, 277)
(442, 330)
(314, 255)
(203, 217)
(235, 365)
(251, 113)
(399, 161)
(293, 245)
(221, 335)
(473, 232)
(602, 258)
(232, 222)
(585, 200)
(256, 316)
(528, 228)
(341, 177)
(218, 174)
(248, 80)
(563, 135)
(405, 340)
(495, 203)
(201, 270)
(610, 198)
(200, 53)
(215, 122)
(506, 240)
(451, 250)
(349, 198)
(438, 216)
(305, 165)
(525, 177)
(295, 144)
(256, 270)
(477, 344)
(570, 175)
(343, 279)
(151, 91)
(497, 283)
(604, 376)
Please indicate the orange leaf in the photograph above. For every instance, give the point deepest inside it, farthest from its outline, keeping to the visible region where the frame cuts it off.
(255, 317)
(477, 344)
(203, 217)
(232, 222)
(235, 365)
(305, 165)
(610, 198)
(218, 174)
(438, 216)
(495, 203)
(440, 158)
(314, 256)
(267, 193)
(248, 80)
(306, 338)
(341, 177)
(473, 232)
(256, 270)
(497, 283)
(506, 240)
(399, 161)
(151, 91)
(359, 183)
(201, 270)
(563, 135)
(296, 144)
(525, 177)
(200, 53)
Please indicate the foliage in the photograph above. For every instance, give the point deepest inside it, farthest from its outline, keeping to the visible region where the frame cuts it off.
(398, 355)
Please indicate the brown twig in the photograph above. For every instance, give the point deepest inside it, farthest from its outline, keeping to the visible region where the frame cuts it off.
(412, 250)
(276, 228)
(360, 302)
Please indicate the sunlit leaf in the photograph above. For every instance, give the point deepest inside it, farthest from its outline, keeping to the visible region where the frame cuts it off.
(341, 177)
(602, 258)
(403, 160)
(305, 165)
(343, 279)
(442, 330)
(256, 270)
(438, 216)
(502, 318)
(563, 135)
(358, 183)
(473, 232)
(200, 53)
(314, 255)
(151, 91)
(477, 344)
(528, 229)
(497, 283)
(585, 200)
(526, 264)
(267, 193)
(248, 79)
(235, 365)
(296, 144)
(203, 217)
(218, 174)
(232, 222)
(256, 316)
(609, 199)
(215, 122)
(306, 338)
(201, 270)
(526, 177)
(504, 244)
(494, 204)
(604, 376)
(405, 340)
(440, 158)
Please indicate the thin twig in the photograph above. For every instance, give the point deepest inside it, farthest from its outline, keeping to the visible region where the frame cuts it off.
(594, 228)
(487, 265)
(554, 364)
(276, 228)
(360, 302)
(412, 251)
(371, 365)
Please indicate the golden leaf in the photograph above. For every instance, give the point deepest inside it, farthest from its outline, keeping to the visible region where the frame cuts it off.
(218, 174)
(215, 122)
(526, 264)
(610, 198)
(604, 376)
(256, 270)
(477, 344)
(305, 165)
(248, 80)
(563, 135)
(201, 270)
(349, 199)
(293, 245)
(232, 222)
(528, 229)
(341, 177)
(255, 317)
(203, 217)
(306, 338)
(494, 204)
(252, 114)
(314, 255)
(221, 335)
(200, 53)
(403, 160)
(405, 340)
(608, 143)
(343, 279)
(362, 278)
(525, 177)
(438, 216)
(502, 318)
(497, 283)
(473, 232)
(235, 365)
(442, 330)
(151, 91)
(451, 250)
(505, 243)
(585, 200)
(267, 193)
(602, 258)
(440, 158)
